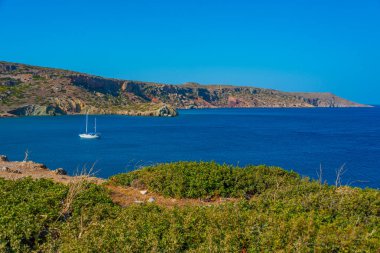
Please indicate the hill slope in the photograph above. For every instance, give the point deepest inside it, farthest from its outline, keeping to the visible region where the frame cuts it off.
(30, 90)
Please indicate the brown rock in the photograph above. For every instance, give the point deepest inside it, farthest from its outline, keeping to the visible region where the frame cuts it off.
(60, 171)
(3, 158)
(9, 170)
(5, 169)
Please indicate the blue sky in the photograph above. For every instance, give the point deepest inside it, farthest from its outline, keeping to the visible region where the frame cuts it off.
(295, 45)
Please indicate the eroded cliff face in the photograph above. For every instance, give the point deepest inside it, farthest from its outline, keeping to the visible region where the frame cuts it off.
(327, 100)
(98, 84)
(66, 109)
(215, 96)
(30, 90)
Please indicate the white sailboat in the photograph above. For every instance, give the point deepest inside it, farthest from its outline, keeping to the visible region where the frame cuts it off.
(90, 135)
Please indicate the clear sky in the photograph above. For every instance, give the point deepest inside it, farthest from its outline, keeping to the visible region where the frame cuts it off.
(290, 45)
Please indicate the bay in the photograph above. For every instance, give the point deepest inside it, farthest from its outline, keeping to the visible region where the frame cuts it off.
(295, 139)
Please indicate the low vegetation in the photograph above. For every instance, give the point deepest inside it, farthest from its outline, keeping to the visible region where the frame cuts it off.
(206, 179)
(275, 210)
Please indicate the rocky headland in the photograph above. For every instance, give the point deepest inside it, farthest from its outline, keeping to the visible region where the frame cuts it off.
(30, 91)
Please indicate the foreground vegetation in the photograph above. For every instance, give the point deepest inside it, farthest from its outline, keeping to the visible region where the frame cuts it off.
(275, 210)
(206, 179)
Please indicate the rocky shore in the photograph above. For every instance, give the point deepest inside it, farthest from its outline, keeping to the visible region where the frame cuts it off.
(55, 110)
(19, 169)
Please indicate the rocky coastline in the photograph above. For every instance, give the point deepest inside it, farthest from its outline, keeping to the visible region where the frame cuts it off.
(37, 91)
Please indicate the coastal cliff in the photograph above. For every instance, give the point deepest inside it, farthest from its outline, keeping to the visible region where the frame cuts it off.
(28, 90)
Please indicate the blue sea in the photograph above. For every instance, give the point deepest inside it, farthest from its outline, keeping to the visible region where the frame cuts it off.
(302, 140)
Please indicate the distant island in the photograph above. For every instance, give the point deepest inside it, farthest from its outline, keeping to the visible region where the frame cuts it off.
(29, 90)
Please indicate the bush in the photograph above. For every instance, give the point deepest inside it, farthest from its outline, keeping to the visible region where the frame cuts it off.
(286, 214)
(259, 225)
(206, 179)
(27, 209)
(30, 211)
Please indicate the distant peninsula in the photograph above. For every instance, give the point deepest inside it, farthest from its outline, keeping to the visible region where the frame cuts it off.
(30, 91)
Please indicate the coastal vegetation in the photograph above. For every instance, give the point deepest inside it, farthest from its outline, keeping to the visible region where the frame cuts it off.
(250, 209)
(206, 179)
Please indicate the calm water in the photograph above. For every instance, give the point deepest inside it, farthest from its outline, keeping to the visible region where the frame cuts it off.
(298, 139)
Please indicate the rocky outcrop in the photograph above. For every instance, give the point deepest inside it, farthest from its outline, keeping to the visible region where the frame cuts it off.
(166, 111)
(55, 110)
(29, 110)
(98, 84)
(136, 89)
(60, 171)
(3, 158)
(38, 110)
(7, 67)
(13, 170)
(7, 81)
(200, 96)
(327, 100)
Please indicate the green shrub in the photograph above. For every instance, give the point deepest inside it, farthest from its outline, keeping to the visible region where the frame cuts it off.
(259, 225)
(206, 179)
(27, 208)
(90, 196)
(286, 214)
(38, 77)
(30, 211)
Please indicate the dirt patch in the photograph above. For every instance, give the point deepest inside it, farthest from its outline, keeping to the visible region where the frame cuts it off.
(16, 170)
(125, 196)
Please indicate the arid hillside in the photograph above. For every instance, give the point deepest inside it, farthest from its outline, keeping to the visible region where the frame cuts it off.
(30, 90)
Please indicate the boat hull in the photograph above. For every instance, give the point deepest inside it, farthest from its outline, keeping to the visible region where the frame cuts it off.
(89, 136)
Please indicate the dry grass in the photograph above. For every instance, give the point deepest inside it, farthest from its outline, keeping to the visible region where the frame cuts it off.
(339, 174)
(75, 187)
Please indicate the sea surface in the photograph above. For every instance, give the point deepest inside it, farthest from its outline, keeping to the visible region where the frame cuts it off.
(303, 140)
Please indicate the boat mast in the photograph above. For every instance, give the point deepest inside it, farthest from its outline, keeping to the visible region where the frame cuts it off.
(86, 121)
(95, 126)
